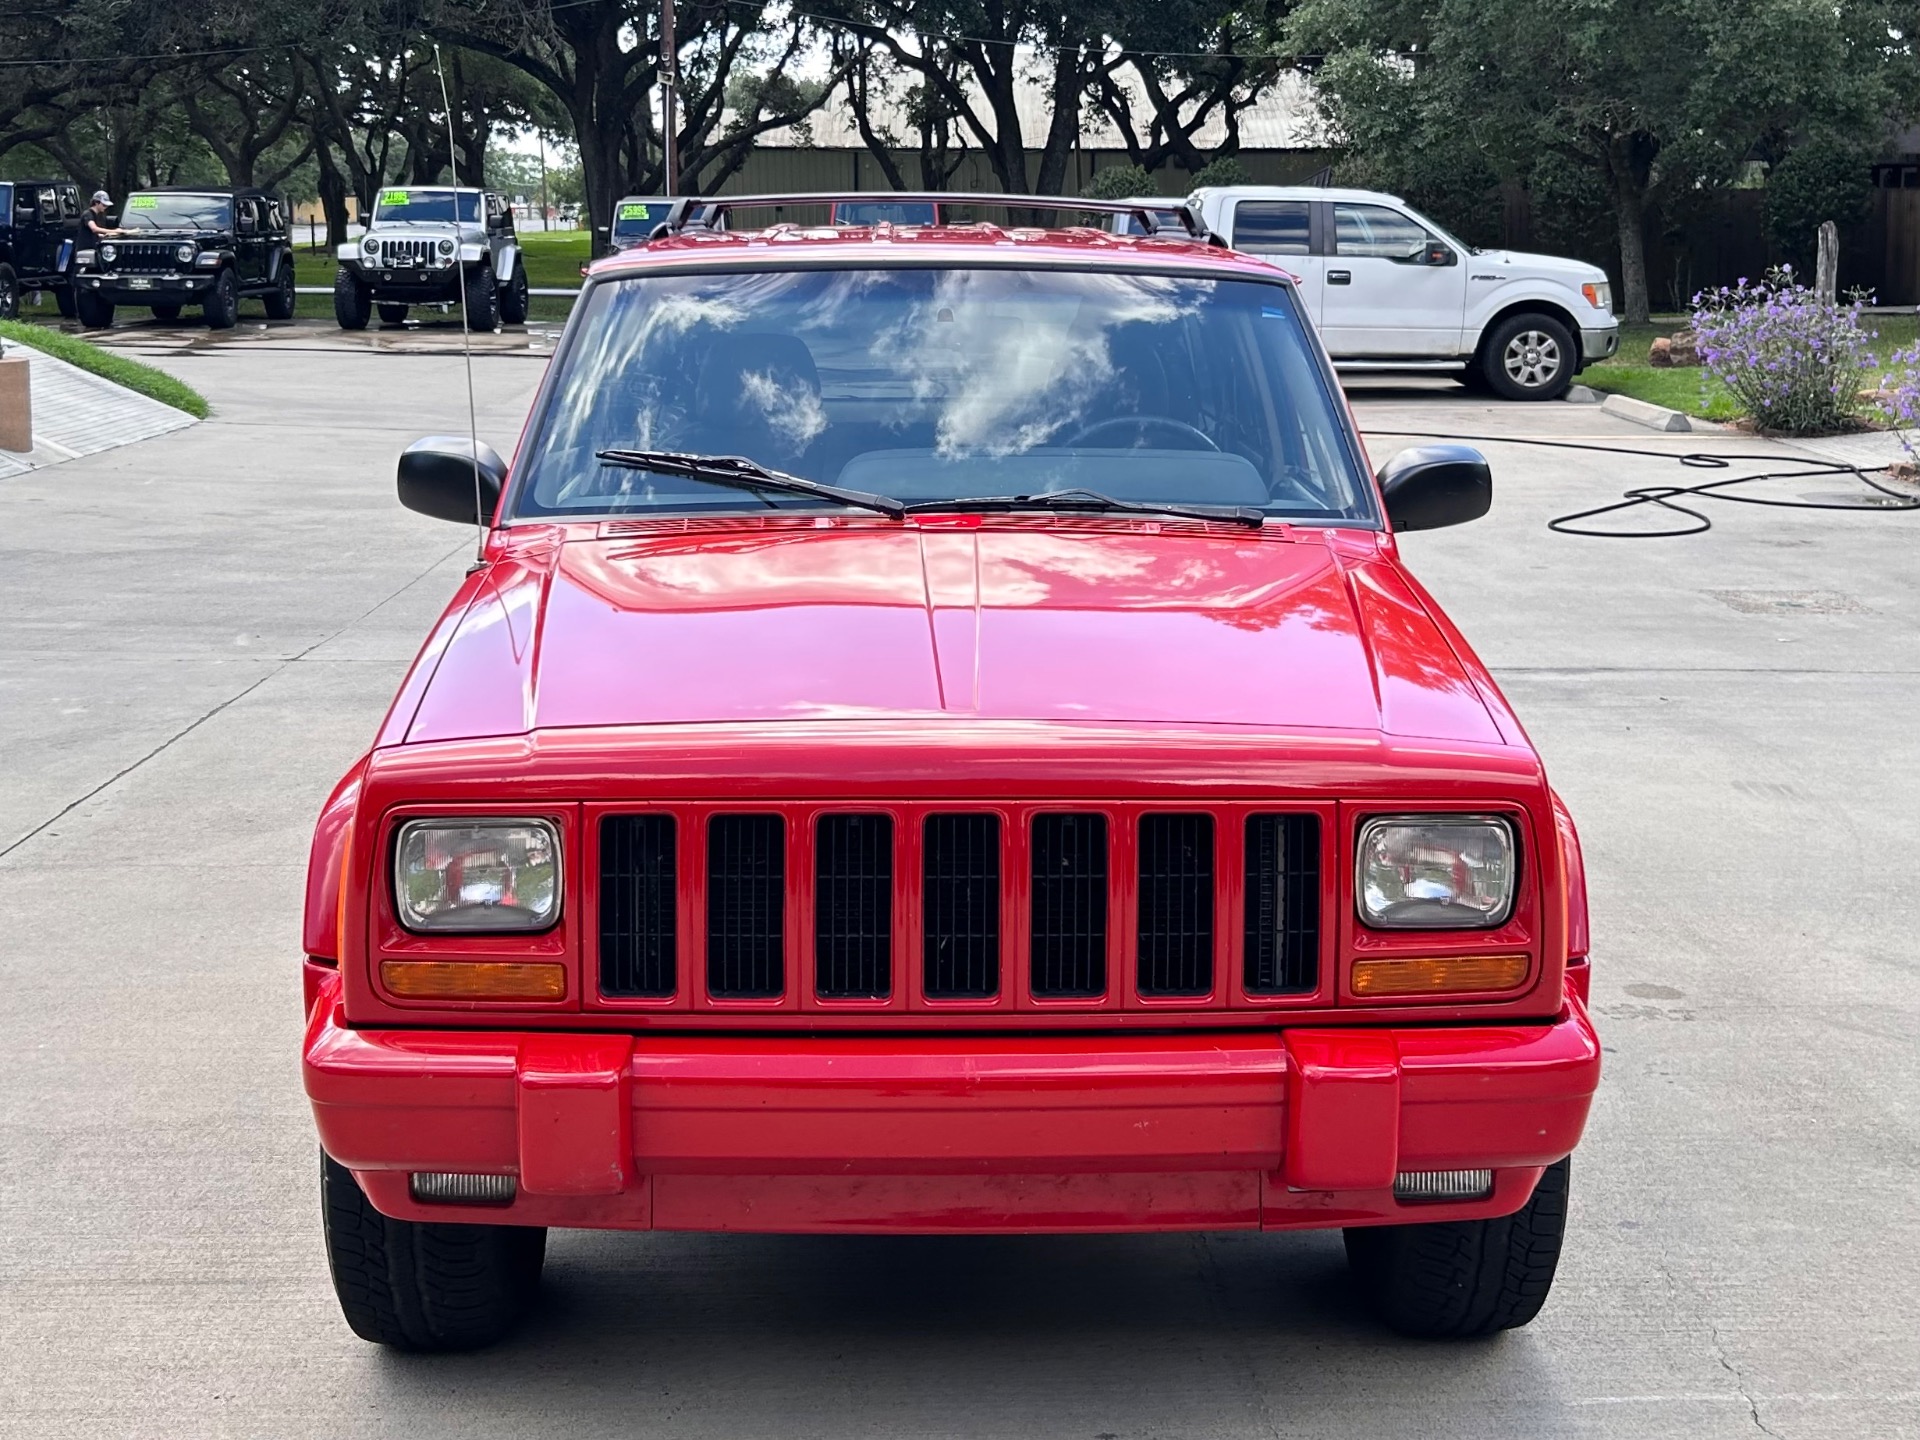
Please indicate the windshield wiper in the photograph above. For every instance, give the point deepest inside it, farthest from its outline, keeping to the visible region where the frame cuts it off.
(1093, 502)
(747, 474)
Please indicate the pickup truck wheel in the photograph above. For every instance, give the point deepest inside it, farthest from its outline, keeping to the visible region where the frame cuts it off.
(513, 298)
(392, 314)
(1529, 357)
(352, 306)
(281, 299)
(482, 299)
(168, 313)
(95, 313)
(417, 1286)
(1461, 1278)
(9, 294)
(222, 305)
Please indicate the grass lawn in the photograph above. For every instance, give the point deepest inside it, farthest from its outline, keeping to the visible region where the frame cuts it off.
(142, 379)
(1690, 390)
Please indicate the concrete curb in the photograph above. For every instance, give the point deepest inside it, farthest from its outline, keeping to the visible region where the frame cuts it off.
(1582, 395)
(1645, 412)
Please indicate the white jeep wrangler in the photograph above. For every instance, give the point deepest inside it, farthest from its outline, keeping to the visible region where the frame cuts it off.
(428, 244)
(1391, 290)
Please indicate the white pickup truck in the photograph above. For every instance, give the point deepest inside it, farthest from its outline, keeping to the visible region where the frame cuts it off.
(1391, 290)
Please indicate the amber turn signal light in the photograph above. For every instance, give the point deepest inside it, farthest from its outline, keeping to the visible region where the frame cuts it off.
(1437, 975)
(473, 980)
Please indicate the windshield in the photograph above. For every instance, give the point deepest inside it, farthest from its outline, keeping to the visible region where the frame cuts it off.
(635, 219)
(177, 212)
(424, 205)
(938, 384)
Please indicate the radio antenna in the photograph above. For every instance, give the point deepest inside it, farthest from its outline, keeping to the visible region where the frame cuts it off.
(466, 336)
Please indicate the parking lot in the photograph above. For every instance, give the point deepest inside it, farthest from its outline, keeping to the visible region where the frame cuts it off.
(199, 633)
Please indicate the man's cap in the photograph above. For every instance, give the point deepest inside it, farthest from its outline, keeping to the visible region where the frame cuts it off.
(100, 197)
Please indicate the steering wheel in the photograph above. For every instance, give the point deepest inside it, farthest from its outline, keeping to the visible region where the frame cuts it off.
(1143, 423)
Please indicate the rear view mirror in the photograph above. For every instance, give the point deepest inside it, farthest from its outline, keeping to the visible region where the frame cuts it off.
(1431, 486)
(452, 478)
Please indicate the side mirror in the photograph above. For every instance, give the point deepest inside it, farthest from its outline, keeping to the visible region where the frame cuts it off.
(1439, 253)
(599, 229)
(1431, 486)
(452, 478)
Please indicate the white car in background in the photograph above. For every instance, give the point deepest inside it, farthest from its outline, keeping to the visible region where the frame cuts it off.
(1390, 290)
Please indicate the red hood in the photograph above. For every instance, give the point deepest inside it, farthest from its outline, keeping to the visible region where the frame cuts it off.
(1023, 621)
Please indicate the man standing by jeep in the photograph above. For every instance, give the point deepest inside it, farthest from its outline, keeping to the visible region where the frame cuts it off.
(95, 221)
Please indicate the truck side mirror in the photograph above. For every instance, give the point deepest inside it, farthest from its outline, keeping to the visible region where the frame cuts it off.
(1440, 253)
(1431, 486)
(452, 478)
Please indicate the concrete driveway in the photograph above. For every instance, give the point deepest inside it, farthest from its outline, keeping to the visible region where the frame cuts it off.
(198, 634)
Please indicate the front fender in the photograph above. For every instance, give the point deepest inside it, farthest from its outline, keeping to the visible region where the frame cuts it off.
(326, 863)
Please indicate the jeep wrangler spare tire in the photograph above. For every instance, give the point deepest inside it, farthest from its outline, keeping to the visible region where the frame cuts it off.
(167, 313)
(482, 299)
(222, 305)
(1529, 357)
(352, 307)
(420, 1286)
(391, 314)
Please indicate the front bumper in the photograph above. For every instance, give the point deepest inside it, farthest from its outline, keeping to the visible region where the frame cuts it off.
(1297, 1129)
(184, 288)
(411, 285)
(1599, 342)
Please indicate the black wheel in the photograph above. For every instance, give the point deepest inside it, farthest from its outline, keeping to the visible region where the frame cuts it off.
(392, 314)
(1461, 1278)
(513, 299)
(9, 294)
(482, 299)
(63, 297)
(222, 305)
(352, 306)
(417, 1286)
(168, 313)
(1529, 357)
(95, 313)
(280, 300)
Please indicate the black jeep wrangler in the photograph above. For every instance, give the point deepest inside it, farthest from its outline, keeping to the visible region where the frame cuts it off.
(207, 247)
(39, 226)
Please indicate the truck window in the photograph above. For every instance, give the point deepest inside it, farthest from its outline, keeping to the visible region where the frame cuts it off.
(1374, 230)
(1270, 227)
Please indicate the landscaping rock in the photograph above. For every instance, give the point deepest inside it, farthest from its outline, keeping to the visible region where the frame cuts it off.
(1660, 354)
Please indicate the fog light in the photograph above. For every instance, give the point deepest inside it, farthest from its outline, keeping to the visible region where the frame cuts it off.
(433, 1188)
(1410, 1187)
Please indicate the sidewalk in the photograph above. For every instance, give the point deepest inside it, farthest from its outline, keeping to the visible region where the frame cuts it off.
(76, 414)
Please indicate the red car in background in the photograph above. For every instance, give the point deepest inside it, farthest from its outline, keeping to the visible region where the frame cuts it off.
(941, 740)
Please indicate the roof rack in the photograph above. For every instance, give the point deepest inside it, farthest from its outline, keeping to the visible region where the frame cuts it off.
(706, 212)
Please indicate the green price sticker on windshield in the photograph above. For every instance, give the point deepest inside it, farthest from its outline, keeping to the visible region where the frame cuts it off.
(144, 202)
(394, 197)
(633, 212)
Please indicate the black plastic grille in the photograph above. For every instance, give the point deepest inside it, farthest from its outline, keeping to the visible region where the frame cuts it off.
(146, 257)
(1176, 904)
(960, 906)
(746, 906)
(638, 891)
(853, 907)
(1069, 905)
(1283, 904)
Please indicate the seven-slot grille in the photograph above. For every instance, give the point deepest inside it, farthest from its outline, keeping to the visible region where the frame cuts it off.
(145, 256)
(1097, 889)
(394, 250)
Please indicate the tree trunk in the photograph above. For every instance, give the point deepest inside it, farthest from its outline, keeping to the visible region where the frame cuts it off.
(1630, 206)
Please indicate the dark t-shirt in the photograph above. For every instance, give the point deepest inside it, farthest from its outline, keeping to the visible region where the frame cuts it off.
(96, 224)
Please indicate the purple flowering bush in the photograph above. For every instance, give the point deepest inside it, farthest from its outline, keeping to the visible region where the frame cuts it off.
(1792, 361)
(1900, 396)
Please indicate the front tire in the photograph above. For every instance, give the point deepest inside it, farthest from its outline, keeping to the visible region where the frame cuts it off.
(95, 313)
(281, 299)
(1529, 357)
(482, 299)
(9, 294)
(1456, 1279)
(513, 299)
(222, 305)
(392, 314)
(419, 1286)
(352, 306)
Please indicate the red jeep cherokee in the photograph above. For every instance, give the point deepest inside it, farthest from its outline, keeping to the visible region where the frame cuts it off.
(941, 740)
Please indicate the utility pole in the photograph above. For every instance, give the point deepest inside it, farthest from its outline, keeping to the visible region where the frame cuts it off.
(546, 222)
(669, 57)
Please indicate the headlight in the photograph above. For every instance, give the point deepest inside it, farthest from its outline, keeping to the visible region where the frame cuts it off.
(370, 245)
(185, 253)
(446, 247)
(1436, 872)
(108, 251)
(1600, 296)
(477, 876)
